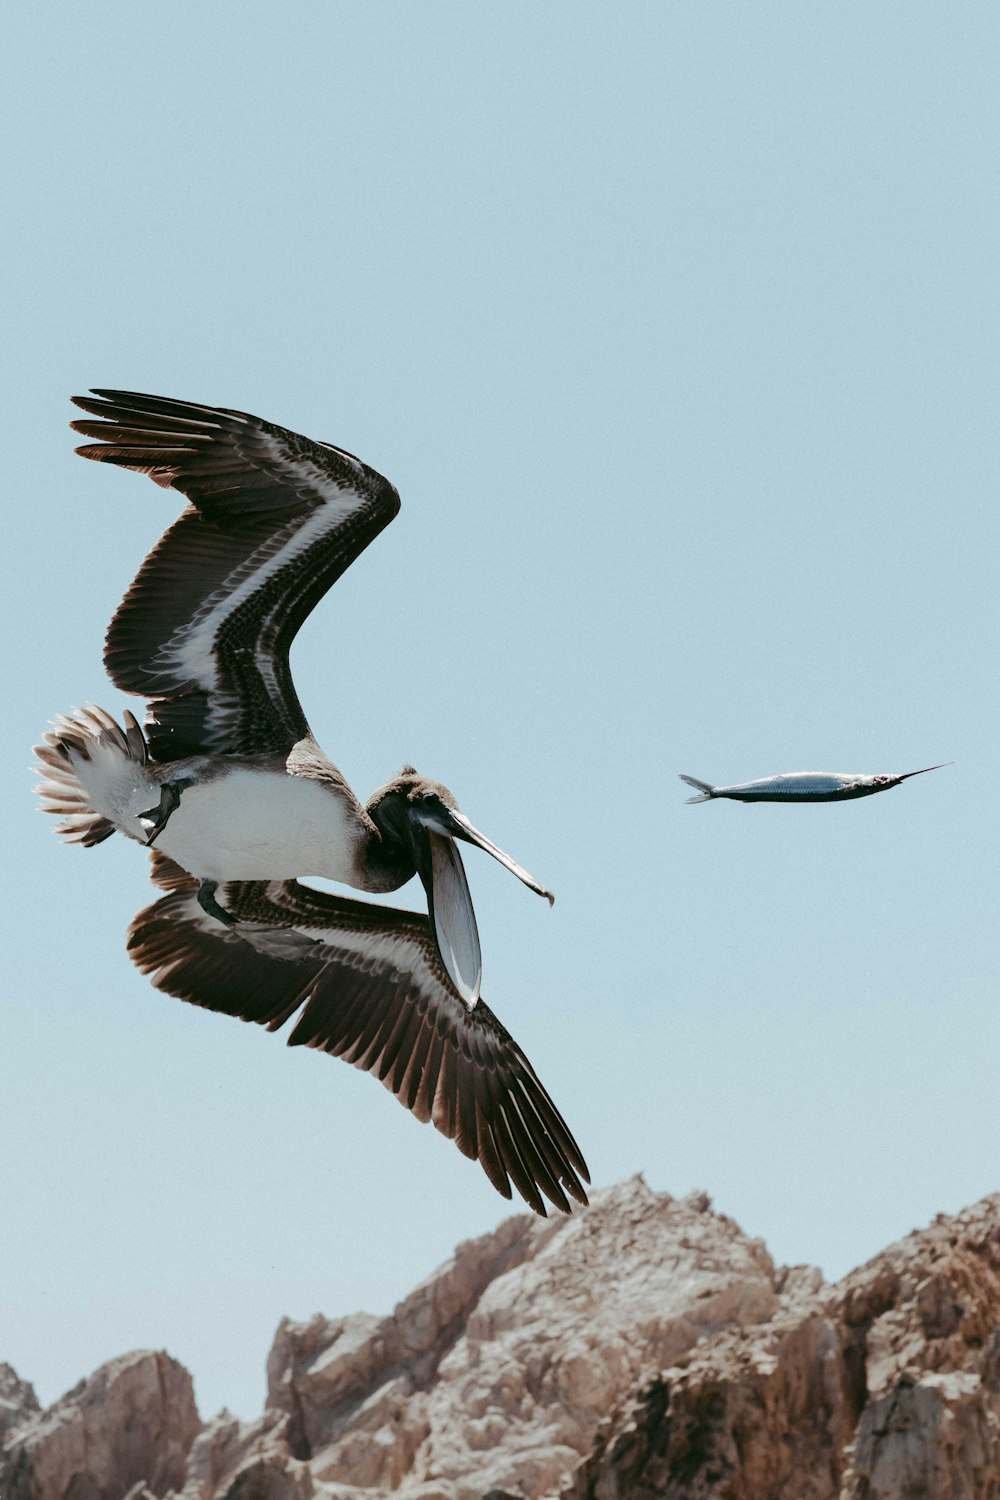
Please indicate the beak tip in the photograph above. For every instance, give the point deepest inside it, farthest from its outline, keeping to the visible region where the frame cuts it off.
(550, 897)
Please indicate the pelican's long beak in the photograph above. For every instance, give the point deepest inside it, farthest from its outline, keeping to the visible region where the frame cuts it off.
(443, 876)
(458, 826)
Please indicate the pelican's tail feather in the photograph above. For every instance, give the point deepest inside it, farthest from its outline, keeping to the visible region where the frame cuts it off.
(87, 744)
(705, 788)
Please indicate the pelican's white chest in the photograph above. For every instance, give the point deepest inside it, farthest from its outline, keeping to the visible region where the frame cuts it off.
(250, 824)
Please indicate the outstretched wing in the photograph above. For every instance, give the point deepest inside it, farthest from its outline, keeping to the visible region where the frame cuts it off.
(370, 988)
(204, 631)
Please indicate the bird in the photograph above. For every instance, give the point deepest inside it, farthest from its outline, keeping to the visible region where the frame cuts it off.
(228, 788)
(805, 786)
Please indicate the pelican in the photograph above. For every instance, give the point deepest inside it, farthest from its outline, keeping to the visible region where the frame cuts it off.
(805, 786)
(227, 786)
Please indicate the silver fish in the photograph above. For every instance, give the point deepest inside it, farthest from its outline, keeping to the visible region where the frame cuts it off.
(805, 786)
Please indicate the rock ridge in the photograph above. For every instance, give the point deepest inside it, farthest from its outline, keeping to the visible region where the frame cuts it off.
(644, 1347)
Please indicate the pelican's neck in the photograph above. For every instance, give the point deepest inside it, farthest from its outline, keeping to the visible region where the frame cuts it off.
(387, 863)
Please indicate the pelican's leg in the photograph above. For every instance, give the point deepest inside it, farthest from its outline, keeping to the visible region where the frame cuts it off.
(208, 903)
(155, 819)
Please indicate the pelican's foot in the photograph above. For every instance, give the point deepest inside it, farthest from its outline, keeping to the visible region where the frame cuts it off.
(208, 903)
(155, 820)
(277, 942)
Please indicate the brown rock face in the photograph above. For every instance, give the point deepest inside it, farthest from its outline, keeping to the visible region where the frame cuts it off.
(495, 1374)
(922, 1322)
(764, 1416)
(131, 1423)
(884, 1387)
(18, 1401)
(643, 1348)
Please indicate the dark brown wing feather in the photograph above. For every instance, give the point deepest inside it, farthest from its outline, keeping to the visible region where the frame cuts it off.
(205, 629)
(371, 989)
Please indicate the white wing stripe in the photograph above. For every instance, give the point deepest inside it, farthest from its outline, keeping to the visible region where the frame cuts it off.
(378, 951)
(400, 951)
(190, 649)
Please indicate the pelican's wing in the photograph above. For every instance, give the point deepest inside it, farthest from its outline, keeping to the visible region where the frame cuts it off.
(370, 988)
(274, 520)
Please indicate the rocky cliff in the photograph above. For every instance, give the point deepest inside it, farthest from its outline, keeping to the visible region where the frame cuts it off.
(644, 1347)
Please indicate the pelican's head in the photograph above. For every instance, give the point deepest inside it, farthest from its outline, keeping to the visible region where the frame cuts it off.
(421, 819)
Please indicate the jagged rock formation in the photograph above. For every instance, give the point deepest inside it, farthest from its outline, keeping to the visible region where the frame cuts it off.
(884, 1387)
(643, 1348)
(18, 1401)
(132, 1423)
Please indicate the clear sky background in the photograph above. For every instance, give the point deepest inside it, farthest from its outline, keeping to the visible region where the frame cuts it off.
(675, 327)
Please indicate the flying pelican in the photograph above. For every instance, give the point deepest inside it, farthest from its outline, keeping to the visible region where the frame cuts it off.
(229, 784)
(805, 786)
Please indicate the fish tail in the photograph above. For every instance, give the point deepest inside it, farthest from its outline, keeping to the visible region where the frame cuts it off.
(705, 787)
(82, 750)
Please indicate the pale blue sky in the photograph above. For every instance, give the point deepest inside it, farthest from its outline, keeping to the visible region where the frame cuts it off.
(675, 326)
